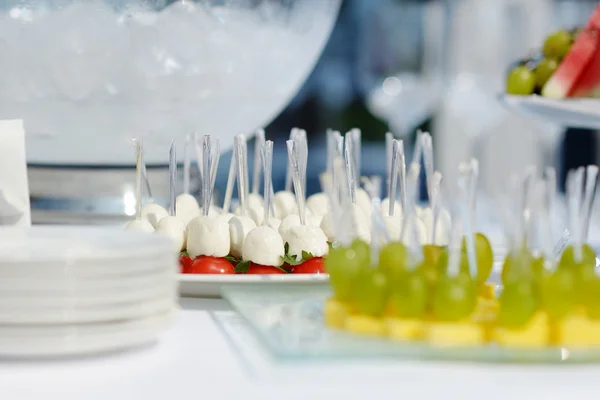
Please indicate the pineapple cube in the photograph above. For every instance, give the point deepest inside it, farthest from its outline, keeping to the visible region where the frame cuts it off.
(365, 325)
(578, 331)
(455, 334)
(536, 333)
(405, 329)
(336, 313)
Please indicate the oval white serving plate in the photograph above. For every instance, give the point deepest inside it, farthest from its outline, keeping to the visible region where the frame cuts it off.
(206, 285)
(576, 113)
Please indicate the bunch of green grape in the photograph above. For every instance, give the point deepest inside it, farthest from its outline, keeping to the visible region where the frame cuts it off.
(355, 281)
(412, 291)
(530, 75)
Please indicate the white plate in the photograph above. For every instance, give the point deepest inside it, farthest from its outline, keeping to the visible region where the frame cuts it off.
(77, 314)
(200, 285)
(42, 300)
(81, 339)
(576, 113)
(85, 287)
(70, 246)
(86, 270)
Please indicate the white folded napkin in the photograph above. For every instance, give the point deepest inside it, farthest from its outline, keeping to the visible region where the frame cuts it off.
(14, 187)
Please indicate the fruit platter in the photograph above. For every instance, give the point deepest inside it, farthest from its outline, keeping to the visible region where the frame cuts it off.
(405, 298)
(561, 82)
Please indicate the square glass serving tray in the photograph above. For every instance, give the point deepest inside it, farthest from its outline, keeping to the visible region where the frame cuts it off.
(289, 320)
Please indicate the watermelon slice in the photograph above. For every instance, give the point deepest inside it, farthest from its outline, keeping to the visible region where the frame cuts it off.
(574, 67)
(588, 84)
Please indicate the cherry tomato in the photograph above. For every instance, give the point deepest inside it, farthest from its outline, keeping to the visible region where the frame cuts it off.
(315, 265)
(210, 265)
(185, 262)
(257, 269)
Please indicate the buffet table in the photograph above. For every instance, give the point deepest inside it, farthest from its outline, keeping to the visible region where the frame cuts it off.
(200, 357)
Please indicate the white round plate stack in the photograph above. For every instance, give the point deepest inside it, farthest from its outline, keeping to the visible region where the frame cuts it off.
(68, 291)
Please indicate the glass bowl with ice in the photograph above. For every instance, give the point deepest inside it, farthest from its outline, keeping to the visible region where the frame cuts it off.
(88, 75)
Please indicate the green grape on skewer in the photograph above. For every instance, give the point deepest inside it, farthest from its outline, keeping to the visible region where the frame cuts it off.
(579, 259)
(371, 292)
(558, 293)
(392, 260)
(567, 259)
(409, 296)
(517, 265)
(592, 298)
(455, 296)
(454, 299)
(344, 265)
(484, 256)
(519, 302)
(431, 256)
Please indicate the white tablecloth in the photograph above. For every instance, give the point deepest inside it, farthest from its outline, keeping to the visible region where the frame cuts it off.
(198, 358)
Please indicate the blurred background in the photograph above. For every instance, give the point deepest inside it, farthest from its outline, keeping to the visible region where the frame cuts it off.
(403, 65)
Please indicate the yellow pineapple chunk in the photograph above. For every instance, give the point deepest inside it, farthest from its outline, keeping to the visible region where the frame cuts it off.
(536, 333)
(455, 334)
(365, 325)
(336, 313)
(405, 329)
(578, 331)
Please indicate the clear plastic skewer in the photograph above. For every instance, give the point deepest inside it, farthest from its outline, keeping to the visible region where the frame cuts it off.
(267, 157)
(172, 178)
(259, 143)
(139, 165)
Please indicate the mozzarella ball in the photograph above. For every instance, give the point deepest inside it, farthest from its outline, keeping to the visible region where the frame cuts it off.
(141, 225)
(294, 220)
(363, 200)
(385, 207)
(362, 224)
(393, 226)
(274, 223)
(175, 229)
(186, 207)
(443, 228)
(239, 227)
(208, 236)
(225, 216)
(443, 225)
(318, 204)
(284, 203)
(264, 246)
(308, 238)
(424, 213)
(254, 200)
(153, 213)
(421, 231)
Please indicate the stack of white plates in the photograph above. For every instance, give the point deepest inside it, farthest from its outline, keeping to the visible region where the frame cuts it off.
(81, 290)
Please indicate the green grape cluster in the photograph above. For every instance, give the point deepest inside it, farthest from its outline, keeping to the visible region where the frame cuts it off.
(410, 291)
(529, 76)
